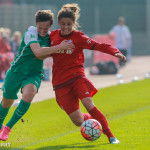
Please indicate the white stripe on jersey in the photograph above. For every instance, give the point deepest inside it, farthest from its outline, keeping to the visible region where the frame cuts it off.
(14, 62)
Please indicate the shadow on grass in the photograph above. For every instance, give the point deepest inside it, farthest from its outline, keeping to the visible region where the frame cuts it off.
(61, 147)
(72, 146)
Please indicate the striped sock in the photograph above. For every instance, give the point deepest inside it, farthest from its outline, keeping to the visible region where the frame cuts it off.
(18, 113)
(3, 114)
(86, 116)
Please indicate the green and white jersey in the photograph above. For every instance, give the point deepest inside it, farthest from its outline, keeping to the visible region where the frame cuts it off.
(25, 61)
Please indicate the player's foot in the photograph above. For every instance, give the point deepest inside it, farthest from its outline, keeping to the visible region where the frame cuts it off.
(2, 128)
(113, 140)
(5, 133)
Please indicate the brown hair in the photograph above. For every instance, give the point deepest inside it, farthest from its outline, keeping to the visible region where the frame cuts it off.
(70, 11)
(44, 15)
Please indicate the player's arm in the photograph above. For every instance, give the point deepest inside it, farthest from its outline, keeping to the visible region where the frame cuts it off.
(109, 49)
(31, 39)
(88, 43)
(47, 51)
(44, 57)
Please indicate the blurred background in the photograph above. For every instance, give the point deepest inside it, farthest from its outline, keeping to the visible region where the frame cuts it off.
(97, 18)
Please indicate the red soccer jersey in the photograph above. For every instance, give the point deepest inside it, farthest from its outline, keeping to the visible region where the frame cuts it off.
(69, 64)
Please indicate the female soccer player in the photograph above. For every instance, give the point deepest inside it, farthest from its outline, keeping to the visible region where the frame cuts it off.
(69, 80)
(25, 71)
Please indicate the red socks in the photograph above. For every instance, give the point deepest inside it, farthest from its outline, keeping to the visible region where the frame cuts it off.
(87, 116)
(96, 114)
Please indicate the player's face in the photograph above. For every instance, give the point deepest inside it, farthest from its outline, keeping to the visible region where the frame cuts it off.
(43, 28)
(66, 26)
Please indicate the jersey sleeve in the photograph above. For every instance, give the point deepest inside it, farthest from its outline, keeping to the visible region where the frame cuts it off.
(31, 36)
(88, 43)
(85, 42)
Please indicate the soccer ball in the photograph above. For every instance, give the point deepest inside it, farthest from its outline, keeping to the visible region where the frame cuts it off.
(91, 129)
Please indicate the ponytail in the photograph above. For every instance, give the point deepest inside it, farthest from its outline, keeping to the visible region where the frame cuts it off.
(70, 11)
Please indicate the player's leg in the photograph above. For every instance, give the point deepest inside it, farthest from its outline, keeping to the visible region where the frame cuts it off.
(98, 115)
(85, 90)
(4, 108)
(10, 89)
(80, 89)
(30, 87)
(29, 92)
(76, 117)
(70, 104)
(87, 116)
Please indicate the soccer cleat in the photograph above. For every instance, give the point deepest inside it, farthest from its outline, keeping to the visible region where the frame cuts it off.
(5, 133)
(113, 140)
(2, 128)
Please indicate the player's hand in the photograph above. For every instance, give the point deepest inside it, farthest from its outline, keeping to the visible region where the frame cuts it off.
(65, 45)
(120, 56)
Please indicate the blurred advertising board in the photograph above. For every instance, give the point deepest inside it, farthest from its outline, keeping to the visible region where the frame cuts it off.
(99, 56)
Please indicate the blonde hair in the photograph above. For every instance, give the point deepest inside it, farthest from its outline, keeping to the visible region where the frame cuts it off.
(6, 32)
(70, 11)
(2, 31)
(17, 33)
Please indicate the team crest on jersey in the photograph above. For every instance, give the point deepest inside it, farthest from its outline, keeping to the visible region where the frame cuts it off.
(32, 36)
(88, 41)
(65, 51)
(69, 41)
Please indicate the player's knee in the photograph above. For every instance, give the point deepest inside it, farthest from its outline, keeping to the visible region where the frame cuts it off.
(29, 92)
(6, 103)
(88, 103)
(28, 96)
(77, 117)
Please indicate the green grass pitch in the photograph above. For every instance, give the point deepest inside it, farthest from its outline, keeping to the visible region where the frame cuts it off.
(47, 127)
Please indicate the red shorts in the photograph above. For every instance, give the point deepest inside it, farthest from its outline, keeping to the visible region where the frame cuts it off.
(68, 96)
